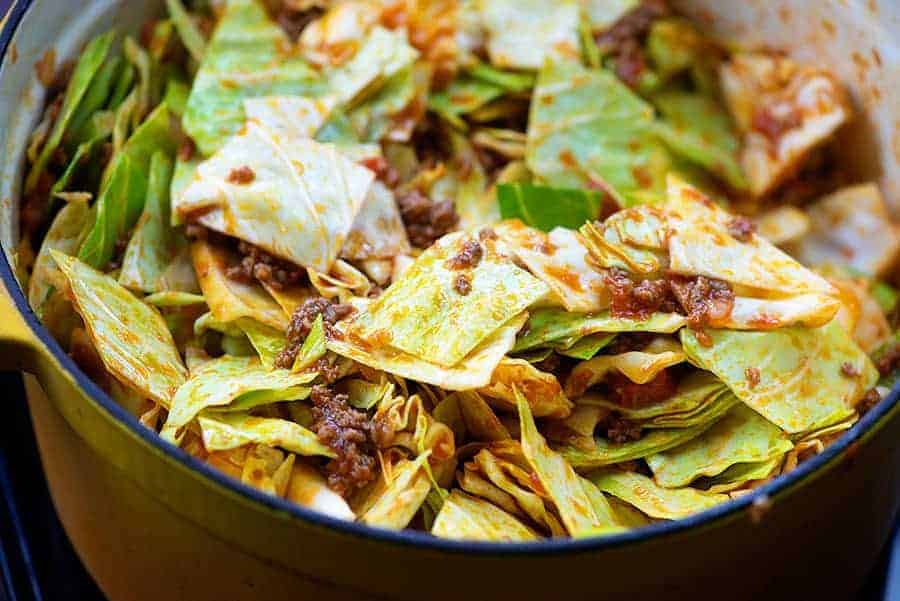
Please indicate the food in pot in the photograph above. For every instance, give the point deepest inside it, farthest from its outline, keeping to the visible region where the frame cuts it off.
(497, 270)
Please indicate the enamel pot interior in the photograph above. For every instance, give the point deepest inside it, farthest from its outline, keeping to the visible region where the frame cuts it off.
(238, 530)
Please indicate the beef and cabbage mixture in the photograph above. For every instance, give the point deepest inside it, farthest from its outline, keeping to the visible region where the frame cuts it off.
(490, 269)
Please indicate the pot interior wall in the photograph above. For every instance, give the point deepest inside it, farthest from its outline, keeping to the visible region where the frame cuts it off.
(858, 41)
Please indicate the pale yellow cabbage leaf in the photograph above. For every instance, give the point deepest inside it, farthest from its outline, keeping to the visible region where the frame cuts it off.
(798, 382)
(298, 185)
(398, 500)
(742, 436)
(229, 300)
(227, 380)
(559, 259)
(651, 499)
(561, 482)
(224, 431)
(542, 390)
(423, 313)
(130, 336)
(474, 371)
(464, 517)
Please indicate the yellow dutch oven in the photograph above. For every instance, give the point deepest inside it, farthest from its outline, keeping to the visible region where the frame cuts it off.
(150, 522)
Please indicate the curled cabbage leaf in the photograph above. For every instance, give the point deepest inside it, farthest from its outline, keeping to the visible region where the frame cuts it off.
(557, 477)
(47, 285)
(228, 299)
(651, 499)
(130, 336)
(397, 497)
(553, 326)
(541, 390)
(742, 436)
(465, 517)
(741, 474)
(224, 431)
(480, 421)
(695, 391)
(607, 453)
(378, 230)
(772, 289)
(793, 376)
(513, 479)
(237, 381)
(638, 366)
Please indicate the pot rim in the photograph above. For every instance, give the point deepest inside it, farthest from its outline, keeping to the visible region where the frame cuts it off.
(867, 424)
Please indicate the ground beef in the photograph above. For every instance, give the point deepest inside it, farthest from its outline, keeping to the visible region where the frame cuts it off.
(849, 370)
(775, 123)
(383, 170)
(468, 257)
(868, 401)
(187, 149)
(294, 15)
(302, 322)
(34, 207)
(751, 374)
(330, 372)
(241, 175)
(630, 341)
(426, 220)
(741, 228)
(626, 393)
(623, 41)
(638, 300)
(620, 430)
(256, 264)
(630, 63)
(347, 432)
(195, 231)
(462, 285)
(890, 360)
(704, 300)
(487, 233)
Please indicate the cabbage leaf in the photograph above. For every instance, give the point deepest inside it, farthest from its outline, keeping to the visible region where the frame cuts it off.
(523, 33)
(424, 315)
(297, 185)
(561, 482)
(474, 371)
(787, 361)
(587, 129)
(465, 517)
(228, 299)
(742, 436)
(130, 336)
(225, 431)
(231, 381)
(651, 499)
(248, 56)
